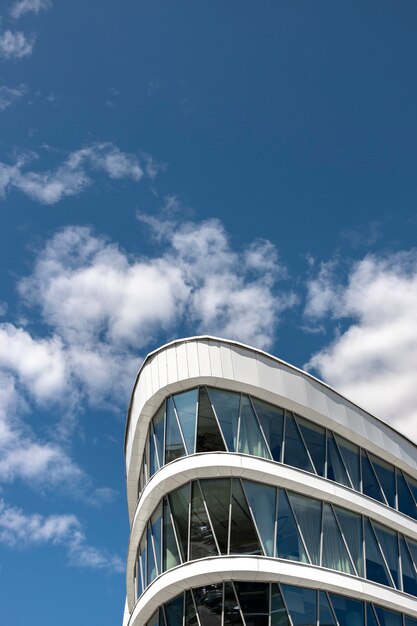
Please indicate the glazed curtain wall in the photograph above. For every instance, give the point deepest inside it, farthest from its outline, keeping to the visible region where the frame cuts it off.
(269, 604)
(210, 420)
(220, 516)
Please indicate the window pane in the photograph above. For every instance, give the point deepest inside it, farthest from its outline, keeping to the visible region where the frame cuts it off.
(232, 615)
(389, 544)
(209, 438)
(386, 477)
(216, 493)
(409, 621)
(351, 525)
(335, 555)
(409, 573)
(153, 459)
(156, 524)
(262, 501)
(243, 537)
(289, 544)
(171, 556)
(226, 404)
(151, 566)
(412, 484)
(370, 486)
(253, 597)
(202, 542)
(308, 514)
(388, 618)
(251, 440)
(335, 469)
(315, 439)
(142, 560)
(190, 616)
(375, 568)
(271, 419)
(158, 427)
(209, 601)
(178, 501)
(301, 604)
(326, 615)
(279, 615)
(370, 616)
(174, 611)
(295, 452)
(174, 446)
(348, 612)
(186, 405)
(350, 455)
(412, 547)
(406, 502)
(138, 579)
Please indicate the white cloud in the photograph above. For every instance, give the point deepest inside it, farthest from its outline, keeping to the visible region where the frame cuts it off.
(8, 95)
(28, 6)
(15, 45)
(374, 361)
(72, 176)
(19, 529)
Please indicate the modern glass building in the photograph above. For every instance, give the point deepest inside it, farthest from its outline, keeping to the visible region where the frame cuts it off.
(259, 496)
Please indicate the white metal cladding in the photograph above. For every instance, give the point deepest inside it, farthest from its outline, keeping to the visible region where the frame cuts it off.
(229, 365)
(263, 569)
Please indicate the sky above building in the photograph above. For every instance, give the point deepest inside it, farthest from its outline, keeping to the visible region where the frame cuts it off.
(242, 169)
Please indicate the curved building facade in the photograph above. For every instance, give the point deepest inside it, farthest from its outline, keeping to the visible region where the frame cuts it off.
(259, 496)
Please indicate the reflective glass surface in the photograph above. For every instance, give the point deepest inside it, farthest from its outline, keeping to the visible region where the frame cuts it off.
(326, 617)
(348, 612)
(243, 535)
(202, 542)
(408, 569)
(405, 498)
(308, 515)
(209, 438)
(388, 618)
(295, 452)
(271, 419)
(226, 406)
(186, 405)
(289, 543)
(351, 526)
(375, 567)
(371, 486)
(386, 476)
(251, 440)
(315, 439)
(350, 455)
(335, 467)
(335, 555)
(216, 493)
(301, 605)
(174, 447)
(262, 502)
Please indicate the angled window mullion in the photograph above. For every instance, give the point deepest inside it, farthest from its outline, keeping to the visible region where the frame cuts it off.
(238, 603)
(171, 517)
(253, 518)
(189, 524)
(365, 572)
(408, 487)
(195, 608)
(344, 541)
(217, 422)
(384, 560)
(152, 434)
(410, 555)
(397, 502)
(377, 479)
(260, 428)
(203, 499)
(360, 470)
(276, 523)
(239, 419)
(343, 462)
(325, 452)
(180, 428)
(154, 549)
(321, 535)
(229, 525)
(373, 613)
(298, 526)
(304, 444)
(197, 408)
(284, 436)
(285, 604)
(165, 433)
(332, 611)
(400, 564)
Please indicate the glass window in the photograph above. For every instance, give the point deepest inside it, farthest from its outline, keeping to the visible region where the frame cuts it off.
(262, 501)
(138, 579)
(154, 621)
(375, 568)
(174, 447)
(388, 618)
(370, 616)
(142, 560)
(308, 515)
(271, 419)
(350, 455)
(202, 542)
(151, 566)
(209, 600)
(156, 524)
(370, 484)
(388, 541)
(174, 611)
(209, 438)
(351, 525)
(409, 621)
(335, 467)
(226, 404)
(178, 501)
(251, 440)
(171, 555)
(190, 614)
(289, 544)
(243, 536)
(254, 602)
(386, 476)
(412, 484)
(158, 427)
(406, 502)
(279, 616)
(348, 612)
(326, 617)
(153, 457)
(409, 573)
(295, 452)
(301, 604)
(315, 439)
(335, 555)
(232, 615)
(412, 547)
(186, 406)
(216, 493)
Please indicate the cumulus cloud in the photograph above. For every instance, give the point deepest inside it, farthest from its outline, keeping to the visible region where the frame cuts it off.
(73, 175)
(9, 95)
(21, 7)
(20, 529)
(373, 360)
(15, 44)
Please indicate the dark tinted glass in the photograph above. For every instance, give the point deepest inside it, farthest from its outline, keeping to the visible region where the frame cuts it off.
(279, 616)
(409, 621)
(179, 500)
(209, 601)
(151, 566)
(202, 542)
(335, 468)
(190, 616)
(370, 486)
(226, 404)
(295, 452)
(174, 611)
(386, 476)
(232, 615)
(325, 614)
(409, 573)
(335, 555)
(375, 568)
(413, 485)
(209, 438)
(174, 447)
(253, 597)
(289, 544)
(350, 455)
(216, 493)
(370, 616)
(153, 458)
(272, 421)
(406, 502)
(412, 546)
(243, 537)
(348, 612)
(171, 556)
(186, 406)
(389, 544)
(351, 525)
(315, 439)
(388, 618)
(308, 514)
(251, 440)
(301, 604)
(158, 427)
(262, 501)
(156, 524)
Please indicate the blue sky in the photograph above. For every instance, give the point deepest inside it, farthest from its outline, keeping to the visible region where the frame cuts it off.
(175, 168)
